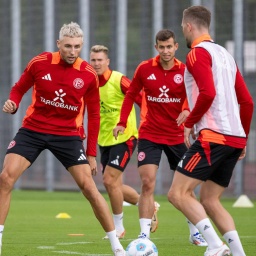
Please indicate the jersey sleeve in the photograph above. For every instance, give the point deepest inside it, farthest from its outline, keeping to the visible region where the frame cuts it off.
(25, 82)
(125, 84)
(245, 101)
(199, 65)
(92, 99)
(133, 92)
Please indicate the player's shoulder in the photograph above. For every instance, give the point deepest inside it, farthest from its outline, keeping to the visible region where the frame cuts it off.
(42, 57)
(84, 67)
(145, 64)
(179, 63)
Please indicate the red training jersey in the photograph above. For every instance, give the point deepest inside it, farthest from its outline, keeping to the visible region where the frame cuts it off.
(163, 99)
(61, 94)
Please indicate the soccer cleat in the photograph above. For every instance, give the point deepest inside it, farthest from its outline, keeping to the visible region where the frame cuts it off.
(221, 251)
(154, 220)
(119, 252)
(197, 239)
(119, 234)
(142, 235)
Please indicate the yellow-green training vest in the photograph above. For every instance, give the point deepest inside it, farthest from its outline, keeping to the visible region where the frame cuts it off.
(111, 99)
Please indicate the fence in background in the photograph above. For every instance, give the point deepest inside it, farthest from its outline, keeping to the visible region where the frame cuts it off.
(128, 28)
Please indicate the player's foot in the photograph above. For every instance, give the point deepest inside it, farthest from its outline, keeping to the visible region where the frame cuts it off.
(119, 234)
(119, 252)
(154, 221)
(221, 251)
(197, 239)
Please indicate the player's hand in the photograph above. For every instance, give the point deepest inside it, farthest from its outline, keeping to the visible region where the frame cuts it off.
(187, 133)
(93, 164)
(118, 129)
(242, 154)
(182, 117)
(9, 106)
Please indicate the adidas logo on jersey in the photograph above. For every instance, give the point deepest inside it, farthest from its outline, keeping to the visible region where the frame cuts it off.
(82, 157)
(47, 77)
(152, 77)
(115, 162)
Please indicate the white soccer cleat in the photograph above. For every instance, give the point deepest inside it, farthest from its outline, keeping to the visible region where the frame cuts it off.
(142, 235)
(197, 239)
(154, 220)
(119, 252)
(119, 234)
(221, 251)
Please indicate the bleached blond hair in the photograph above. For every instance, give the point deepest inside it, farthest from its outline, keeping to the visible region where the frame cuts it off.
(71, 30)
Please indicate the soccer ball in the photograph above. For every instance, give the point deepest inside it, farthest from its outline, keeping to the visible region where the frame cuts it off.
(141, 247)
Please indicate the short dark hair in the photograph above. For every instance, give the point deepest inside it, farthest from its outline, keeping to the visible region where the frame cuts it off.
(164, 35)
(199, 15)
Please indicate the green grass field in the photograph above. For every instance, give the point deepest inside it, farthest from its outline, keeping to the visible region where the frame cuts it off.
(32, 228)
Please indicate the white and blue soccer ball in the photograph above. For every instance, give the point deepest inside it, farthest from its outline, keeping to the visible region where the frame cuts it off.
(141, 247)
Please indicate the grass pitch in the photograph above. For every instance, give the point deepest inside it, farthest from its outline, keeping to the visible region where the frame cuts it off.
(32, 228)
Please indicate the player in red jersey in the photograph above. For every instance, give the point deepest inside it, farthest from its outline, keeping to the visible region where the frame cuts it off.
(64, 85)
(221, 113)
(163, 111)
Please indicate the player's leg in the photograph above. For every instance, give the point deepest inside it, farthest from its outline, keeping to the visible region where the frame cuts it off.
(26, 145)
(14, 165)
(118, 157)
(112, 179)
(146, 201)
(68, 149)
(174, 154)
(198, 164)
(82, 175)
(210, 195)
(130, 195)
(149, 155)
(180, 196)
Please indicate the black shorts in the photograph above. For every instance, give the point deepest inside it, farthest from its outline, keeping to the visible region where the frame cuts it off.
(150, 153)
(117, 156)
(69, 150)
(209, 161)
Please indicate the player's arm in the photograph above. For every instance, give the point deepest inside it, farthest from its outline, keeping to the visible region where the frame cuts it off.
(245, 101)
(92, 100)
(200, 67)
(134, 89)
(184, 113)
(125, 84)
(25, 82)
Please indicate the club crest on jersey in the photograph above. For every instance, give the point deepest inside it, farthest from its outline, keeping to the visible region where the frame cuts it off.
(178, 79)
(12, 144)
(78, 83)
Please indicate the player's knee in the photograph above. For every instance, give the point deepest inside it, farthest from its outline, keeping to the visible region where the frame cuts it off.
(208, 204)
(108, 182)
(172, 197)
(6, 181)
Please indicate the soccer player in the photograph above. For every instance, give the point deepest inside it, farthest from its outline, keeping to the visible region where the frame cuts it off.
(115, 154)
(163, 111)
(63, 87)
(221, 112)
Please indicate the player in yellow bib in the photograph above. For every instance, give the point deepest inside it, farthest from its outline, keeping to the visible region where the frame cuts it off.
(115, 153)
